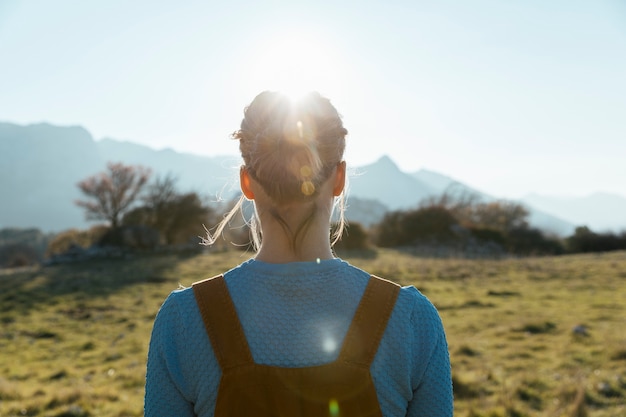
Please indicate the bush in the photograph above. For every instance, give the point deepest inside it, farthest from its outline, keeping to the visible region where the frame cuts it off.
(585, 240)
(18, 255)
(530, 241)
(178, 218)
(133, 237)
(389, 230)
(32, 238)
(401, 228)
(63, 241)
(354, 237)
(488, 235)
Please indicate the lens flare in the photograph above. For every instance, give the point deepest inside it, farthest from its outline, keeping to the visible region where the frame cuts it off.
(333, 408)
(306, 171)
(329, 344)
(300, 130)
(308, 188)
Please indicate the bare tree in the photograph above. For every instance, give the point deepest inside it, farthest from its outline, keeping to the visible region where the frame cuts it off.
(159, 195)
(456, 199)
(470, 210)
(502, 215)
(112, 193)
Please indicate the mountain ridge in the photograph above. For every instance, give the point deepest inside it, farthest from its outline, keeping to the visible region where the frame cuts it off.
(41, 164)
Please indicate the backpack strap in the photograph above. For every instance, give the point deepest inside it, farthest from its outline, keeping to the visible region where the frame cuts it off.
(221, 323)
(370, 321)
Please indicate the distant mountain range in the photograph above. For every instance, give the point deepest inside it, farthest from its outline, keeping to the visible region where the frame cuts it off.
(600, 211)
(41, 164)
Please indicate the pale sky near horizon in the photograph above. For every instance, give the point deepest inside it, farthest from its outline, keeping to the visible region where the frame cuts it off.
(509, 97)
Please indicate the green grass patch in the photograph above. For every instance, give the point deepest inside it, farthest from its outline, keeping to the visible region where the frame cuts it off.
(74, 338)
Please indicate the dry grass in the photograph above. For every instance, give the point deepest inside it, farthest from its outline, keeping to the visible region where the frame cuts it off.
(527, 337)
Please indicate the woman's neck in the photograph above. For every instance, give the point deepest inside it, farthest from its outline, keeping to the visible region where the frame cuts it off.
(311, 244)
(272, 257)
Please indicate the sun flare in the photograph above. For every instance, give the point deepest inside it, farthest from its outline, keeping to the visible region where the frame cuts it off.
(294, 64)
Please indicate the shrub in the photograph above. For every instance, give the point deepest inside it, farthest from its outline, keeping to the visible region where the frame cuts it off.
(400, 228)
(389, 230)
(178, 217)
(22, 238)
(63, 241)
(585, 240)
(530, 241)
(484, 234)
(18, 255)
(135, 237)
(355, 237)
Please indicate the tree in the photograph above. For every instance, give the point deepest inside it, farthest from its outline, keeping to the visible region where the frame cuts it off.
(399, 228)
(354, 237)
(177, 216)
(184, 218)
(531, 241)
(63, 241)
(113, 192)
(456, 199)
(499, 215)
(469, 209)
(585, 240)
(161, 192)
(389, 232)
(18, 255)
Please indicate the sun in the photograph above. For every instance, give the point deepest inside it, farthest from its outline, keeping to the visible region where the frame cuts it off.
(295, 64)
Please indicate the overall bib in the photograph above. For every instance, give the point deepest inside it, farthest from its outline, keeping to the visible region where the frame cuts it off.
(343, 388)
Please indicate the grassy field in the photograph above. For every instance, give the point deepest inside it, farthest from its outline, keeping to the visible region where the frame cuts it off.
(527, 337)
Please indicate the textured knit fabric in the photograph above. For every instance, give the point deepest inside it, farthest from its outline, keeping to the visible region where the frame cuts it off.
(296, 315)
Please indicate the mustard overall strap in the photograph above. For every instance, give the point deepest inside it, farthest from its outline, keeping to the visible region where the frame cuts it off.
(221, 323)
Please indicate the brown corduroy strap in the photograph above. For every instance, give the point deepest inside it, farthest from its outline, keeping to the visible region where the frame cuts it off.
(230, 344)
(370, 321)
(221, 322)
(344, 387)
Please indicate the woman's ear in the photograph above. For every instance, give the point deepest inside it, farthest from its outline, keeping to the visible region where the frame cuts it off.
(246, 183)
(340, 179)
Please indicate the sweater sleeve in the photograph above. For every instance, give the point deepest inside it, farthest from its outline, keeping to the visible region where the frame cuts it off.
(165, 385)
(433, 395)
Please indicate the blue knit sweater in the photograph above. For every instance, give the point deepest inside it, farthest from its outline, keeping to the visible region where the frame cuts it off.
(296, 315)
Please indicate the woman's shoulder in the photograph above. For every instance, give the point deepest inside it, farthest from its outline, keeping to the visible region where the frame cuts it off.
(416, 307)
(412, 295)
(178, 303)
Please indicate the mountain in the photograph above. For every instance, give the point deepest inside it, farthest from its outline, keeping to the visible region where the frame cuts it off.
(384, 181)
(41, 164)
(440, 184)
(39, 168)
(365, 211)
(599, 211)
(218, 176)
(550, 223)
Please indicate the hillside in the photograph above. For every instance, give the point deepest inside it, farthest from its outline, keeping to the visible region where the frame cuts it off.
(39, 168)
(609, 210)
(384, 181)
(74, 337)
(41, 164)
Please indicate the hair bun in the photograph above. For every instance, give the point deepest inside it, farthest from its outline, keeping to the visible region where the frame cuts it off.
(290, 147)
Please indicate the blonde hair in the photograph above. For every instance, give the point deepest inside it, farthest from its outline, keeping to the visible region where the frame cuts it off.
(290, 148)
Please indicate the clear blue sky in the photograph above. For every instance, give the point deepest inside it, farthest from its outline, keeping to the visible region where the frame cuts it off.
(510, 97)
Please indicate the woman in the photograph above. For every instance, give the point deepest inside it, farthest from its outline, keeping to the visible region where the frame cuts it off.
(295, 330)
